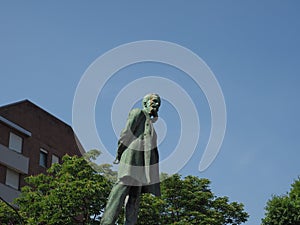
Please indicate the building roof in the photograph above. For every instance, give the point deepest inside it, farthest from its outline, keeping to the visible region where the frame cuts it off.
(25, 116)
(28, 102)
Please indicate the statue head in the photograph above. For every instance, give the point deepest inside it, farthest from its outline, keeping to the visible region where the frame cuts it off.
(151, 104)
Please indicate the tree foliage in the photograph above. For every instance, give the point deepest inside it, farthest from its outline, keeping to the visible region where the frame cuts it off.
(74, 193)
(189, 201)
(71, 193)
(284, 209)
(103, 169)
(8, 215)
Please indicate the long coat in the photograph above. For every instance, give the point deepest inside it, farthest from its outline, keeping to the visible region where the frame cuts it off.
(138, 154)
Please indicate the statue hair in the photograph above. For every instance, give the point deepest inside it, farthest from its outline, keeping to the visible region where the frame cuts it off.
(148, 96)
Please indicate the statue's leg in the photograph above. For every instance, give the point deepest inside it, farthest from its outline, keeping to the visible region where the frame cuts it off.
(132, 205)
(114, 204)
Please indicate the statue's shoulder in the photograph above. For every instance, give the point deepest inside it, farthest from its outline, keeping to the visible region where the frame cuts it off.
(136, 112)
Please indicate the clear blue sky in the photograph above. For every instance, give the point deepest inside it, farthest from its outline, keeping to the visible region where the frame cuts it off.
(252, 47)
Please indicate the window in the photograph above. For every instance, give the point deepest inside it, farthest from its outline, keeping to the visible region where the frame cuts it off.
(15, 142)
(55, 159)
(43, 158)
(12, 178)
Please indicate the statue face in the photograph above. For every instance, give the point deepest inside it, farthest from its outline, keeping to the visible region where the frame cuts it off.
(152, 105)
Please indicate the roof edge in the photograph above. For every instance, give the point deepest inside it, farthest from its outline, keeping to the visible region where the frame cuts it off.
(37, 106)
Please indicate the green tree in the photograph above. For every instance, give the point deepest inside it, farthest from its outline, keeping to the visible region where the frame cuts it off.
(284, 209)
(151, 209)
(103, 169)
(8, 214)
(74, 193)
(70, 193)
(189, 201)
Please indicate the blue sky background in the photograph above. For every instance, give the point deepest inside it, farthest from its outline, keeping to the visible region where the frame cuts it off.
(252, 47)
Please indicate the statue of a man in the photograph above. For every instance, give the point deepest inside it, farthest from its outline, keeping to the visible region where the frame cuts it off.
(137, 156)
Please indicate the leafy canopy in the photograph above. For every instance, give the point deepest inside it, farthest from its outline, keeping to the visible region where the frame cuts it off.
(189, 201)
(284, 209)
(76, 192)
(70, 193)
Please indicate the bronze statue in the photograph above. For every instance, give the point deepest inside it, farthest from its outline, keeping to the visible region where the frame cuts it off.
(138, 159)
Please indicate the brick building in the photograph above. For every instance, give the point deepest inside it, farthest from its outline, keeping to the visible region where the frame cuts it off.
(31, 139)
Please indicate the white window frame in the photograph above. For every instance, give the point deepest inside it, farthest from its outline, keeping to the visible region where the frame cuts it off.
(45, 153)
(12, 179)
(15, 142)
(55, 159)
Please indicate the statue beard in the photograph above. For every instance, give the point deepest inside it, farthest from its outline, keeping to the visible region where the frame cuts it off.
(154, 115)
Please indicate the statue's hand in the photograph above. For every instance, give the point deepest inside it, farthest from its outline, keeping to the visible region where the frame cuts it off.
(154, 119)
(116, 161)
